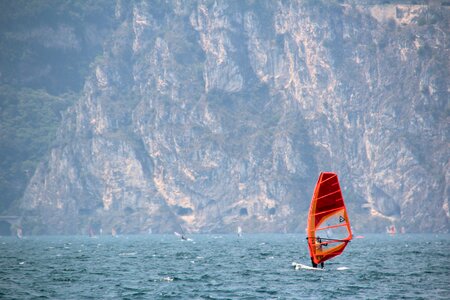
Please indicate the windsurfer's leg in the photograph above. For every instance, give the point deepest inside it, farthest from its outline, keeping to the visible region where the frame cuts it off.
(321, 265)
(313, 263)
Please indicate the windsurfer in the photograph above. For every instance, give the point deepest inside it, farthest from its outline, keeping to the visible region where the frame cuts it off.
(319, 242)
(327, 215)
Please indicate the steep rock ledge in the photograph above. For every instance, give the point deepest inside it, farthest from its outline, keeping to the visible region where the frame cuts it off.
(214, 115)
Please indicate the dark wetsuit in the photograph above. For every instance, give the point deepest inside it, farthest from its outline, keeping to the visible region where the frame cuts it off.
(313, 263)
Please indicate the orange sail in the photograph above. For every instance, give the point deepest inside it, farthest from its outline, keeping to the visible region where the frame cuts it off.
(328, 228)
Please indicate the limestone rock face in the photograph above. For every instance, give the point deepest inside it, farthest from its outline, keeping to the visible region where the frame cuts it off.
(214, 115)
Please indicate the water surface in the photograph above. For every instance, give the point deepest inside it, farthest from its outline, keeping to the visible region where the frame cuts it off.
(221, 267)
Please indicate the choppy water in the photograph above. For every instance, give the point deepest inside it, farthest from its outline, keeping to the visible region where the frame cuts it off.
(222, 267)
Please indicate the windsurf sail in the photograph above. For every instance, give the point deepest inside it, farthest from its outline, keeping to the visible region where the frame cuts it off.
(182, 235)
(328, 230)
(19, 233)
(391, 229)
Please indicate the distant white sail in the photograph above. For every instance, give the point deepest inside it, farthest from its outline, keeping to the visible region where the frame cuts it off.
(19, 233)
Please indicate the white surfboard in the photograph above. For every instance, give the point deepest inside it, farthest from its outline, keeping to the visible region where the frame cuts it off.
(298, 266)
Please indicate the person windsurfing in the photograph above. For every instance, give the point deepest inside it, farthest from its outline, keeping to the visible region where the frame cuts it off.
(319, 241)
(183, 236)
(327, 214)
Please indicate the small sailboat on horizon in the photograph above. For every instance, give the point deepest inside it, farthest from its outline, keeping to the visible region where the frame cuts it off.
(91, 232)
(182, 235)
(392, 230)
(19, 233)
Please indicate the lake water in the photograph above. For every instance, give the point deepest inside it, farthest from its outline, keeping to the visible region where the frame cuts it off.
(221, 267)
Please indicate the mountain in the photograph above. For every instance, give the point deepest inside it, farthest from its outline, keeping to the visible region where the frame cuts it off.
(46, 48)
(214, 114)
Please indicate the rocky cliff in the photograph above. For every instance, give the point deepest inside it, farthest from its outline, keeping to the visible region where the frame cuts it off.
(214, 114)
